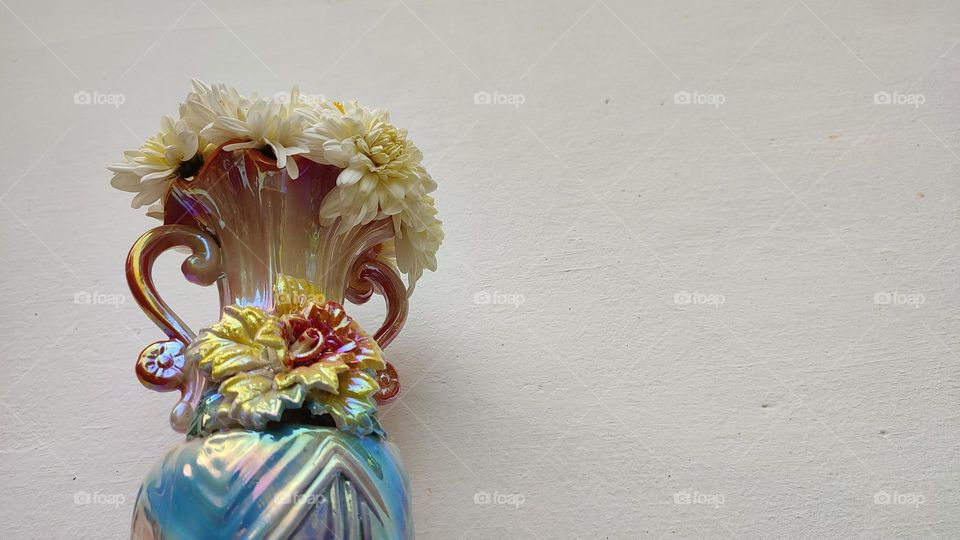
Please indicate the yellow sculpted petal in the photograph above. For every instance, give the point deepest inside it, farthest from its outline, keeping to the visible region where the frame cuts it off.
(243, 340)
(243, 387)
(369, 355)
(252, 400)
(321, 375)
(352, 407)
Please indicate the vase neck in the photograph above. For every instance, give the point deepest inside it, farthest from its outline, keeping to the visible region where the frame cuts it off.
(268, 225)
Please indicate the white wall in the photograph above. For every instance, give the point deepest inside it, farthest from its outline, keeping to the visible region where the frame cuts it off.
(599, 200)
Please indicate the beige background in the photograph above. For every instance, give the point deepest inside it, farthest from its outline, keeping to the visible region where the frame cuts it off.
(683, 215)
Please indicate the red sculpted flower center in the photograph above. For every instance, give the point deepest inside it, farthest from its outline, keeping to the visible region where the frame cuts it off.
(307, 349)
(317, 332)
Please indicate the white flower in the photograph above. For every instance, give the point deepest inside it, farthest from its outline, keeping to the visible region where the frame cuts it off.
(381, 166)
(207, 103)
(264, 123)
(149, 171)
(418, 238)
(381, 177)
(310, 106)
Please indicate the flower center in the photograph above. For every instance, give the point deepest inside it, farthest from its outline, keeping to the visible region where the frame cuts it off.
(190, 168)
(383, 144)
(164, 361)
(307, 348)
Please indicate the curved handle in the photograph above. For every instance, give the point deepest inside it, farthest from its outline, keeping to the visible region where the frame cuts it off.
(161, 365)
(371, 275)
(202, 268)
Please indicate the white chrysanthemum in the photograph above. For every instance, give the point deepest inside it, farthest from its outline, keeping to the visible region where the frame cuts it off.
(418, 239)
(149, 171)
(266, 123)
(206, 103)
(381, 166)
(311, 107)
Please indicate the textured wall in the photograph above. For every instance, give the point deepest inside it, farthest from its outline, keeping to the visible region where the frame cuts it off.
(700, 278)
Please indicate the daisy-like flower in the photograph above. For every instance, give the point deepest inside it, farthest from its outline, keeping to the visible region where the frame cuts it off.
(417, 241)
(148, 172)
(311, 107)
(206, 103)
(266, 123)
(381, 166)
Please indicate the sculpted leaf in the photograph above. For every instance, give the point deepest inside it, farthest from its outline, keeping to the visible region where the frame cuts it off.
(245, 339)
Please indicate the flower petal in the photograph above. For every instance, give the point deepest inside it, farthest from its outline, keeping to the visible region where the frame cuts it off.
(348, 177)
(321, 375)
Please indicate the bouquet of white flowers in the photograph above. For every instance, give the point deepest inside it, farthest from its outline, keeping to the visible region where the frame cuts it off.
(381, 172)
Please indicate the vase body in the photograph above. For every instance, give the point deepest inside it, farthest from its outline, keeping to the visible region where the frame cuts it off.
(256, 233)
(297, 482)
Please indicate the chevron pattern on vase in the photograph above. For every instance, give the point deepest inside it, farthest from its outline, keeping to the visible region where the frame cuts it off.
(294, 482)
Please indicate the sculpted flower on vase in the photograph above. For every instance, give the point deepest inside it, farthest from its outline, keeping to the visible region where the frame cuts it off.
(326, 335)
(161, 364)
(337, 334)
(264, 365)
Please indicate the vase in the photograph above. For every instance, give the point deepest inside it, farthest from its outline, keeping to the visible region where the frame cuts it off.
(292, 461)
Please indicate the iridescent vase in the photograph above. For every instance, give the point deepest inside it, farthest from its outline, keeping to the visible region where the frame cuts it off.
(301, 472)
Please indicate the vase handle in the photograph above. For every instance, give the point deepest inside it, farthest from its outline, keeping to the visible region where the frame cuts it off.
(161, 365)
(371, 275)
